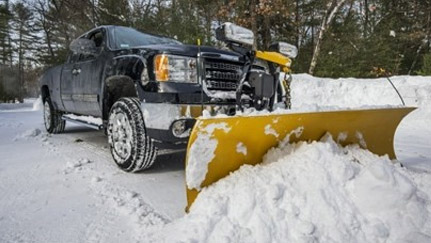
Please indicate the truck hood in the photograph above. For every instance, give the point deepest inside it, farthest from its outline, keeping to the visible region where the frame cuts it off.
(190, 50)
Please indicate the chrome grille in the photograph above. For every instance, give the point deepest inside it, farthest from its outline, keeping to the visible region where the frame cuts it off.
(222, 75)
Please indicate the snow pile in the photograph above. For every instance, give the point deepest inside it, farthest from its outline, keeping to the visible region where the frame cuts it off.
(74, 166)
(309, 91)
(38, 104)
(15, 107)
(305, 193)
(31, 133)
(131, 204)
(201, 154)
(313, 94)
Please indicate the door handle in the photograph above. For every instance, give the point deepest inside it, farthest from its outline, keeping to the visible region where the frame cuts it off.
(76, 71)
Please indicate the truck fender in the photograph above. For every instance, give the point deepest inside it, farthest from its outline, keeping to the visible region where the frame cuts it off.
(117, 87)
(50, 86)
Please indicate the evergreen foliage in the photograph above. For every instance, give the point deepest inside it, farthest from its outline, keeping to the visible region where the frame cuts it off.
(5, 33)
(426, 67)
(362, 36)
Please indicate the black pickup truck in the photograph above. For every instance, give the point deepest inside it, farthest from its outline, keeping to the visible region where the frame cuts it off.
(147, 89)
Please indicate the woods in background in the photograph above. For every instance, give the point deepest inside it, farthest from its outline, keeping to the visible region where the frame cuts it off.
(335, 38)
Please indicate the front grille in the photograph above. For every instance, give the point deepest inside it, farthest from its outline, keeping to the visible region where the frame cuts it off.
(222, 75)
(221, 66)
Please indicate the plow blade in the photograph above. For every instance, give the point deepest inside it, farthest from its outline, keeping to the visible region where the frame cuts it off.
(224, 144)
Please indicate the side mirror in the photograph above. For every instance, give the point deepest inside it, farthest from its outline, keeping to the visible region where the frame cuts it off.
(83, 46)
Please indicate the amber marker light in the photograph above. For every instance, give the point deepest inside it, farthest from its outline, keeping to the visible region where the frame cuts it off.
(161, 67)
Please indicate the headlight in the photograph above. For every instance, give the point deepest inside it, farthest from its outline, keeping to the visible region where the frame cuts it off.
(286, 49)
(234, 33)
(175, 68)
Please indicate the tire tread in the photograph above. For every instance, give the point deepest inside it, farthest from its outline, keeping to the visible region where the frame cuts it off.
(143, 150)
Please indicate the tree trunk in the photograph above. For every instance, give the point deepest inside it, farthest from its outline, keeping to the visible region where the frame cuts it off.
(317, 48)
(20, 60)
(298, 32)
(253, 20)
(10, 51)
(366, 18)
(419, 50)
(326, 21)
(312, 31)
(266, 32)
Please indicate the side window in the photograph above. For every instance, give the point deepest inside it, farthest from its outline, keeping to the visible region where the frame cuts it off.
(98, 38)
(73, 57)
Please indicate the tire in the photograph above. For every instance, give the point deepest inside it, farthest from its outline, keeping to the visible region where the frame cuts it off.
(131, 148)
(52, 118)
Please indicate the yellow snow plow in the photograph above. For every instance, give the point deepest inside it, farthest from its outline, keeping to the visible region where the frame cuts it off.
(220, 145)
(245, 140)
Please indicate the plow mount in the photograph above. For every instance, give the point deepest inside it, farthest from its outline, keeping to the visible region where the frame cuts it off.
(224, 144)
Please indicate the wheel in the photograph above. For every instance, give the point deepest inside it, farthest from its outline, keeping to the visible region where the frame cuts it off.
(52, 118)
(130, 146)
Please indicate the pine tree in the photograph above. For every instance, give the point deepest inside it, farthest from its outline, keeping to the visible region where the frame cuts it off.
(114, 12)
(22, 25)
(426, 67)
(5, 34)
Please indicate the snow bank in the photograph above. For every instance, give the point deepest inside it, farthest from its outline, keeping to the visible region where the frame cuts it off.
(349, 92)
(318, 191)
(311, 94)
(29, 104)
(308, 192)
(12, 107)
(38, 104)
(316, 94)
(31, 133)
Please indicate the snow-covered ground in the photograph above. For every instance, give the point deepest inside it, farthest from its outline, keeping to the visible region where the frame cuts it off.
(66, 188)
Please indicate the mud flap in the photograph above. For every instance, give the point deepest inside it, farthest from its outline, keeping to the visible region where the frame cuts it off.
(241, 140)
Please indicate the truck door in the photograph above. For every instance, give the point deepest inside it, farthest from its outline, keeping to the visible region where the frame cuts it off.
(89, 78)
(68, 83)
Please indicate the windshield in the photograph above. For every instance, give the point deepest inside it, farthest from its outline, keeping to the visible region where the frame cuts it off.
(124, 37)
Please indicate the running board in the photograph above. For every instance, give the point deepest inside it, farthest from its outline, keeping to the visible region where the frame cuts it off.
(170, 151)
(83, 122)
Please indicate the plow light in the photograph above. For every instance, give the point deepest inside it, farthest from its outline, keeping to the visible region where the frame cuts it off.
(233, 33)
(286, 49)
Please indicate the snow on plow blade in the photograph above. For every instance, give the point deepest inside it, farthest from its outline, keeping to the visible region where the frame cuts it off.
(218, 146)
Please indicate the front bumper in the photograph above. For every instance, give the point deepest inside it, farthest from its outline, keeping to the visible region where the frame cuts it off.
(160, 118)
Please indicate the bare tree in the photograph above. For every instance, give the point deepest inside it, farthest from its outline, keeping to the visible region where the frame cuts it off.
(332, 9)
(41, 8)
